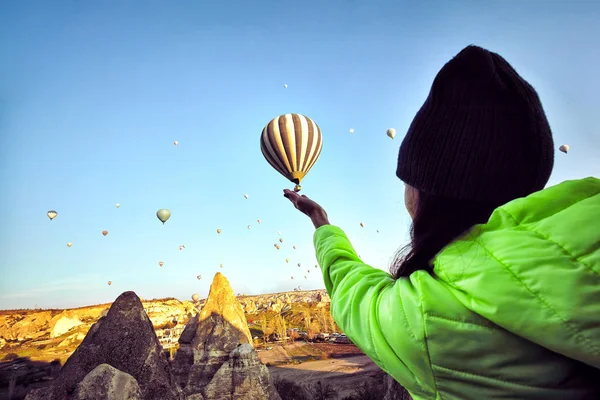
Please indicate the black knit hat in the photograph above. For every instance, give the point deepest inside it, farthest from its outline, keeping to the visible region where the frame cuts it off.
(481, 135)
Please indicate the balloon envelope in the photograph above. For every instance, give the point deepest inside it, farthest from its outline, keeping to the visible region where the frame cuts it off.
(69, 244)
(163, 215)
(105, 233)
(161, 263)
(195, 297)
(291, 144)
(391, 132)
(118, 205)
(51, 214)
(109, 283)
(564, 148)
(199, 277)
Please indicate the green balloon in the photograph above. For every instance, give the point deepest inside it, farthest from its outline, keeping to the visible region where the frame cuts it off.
(163, 214)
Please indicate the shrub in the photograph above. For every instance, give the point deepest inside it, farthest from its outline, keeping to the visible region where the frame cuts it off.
(321, 391)
(289, 390)
(367, 391)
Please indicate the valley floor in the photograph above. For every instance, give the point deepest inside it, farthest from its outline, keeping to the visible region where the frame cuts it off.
(343, 366)
(343, 374)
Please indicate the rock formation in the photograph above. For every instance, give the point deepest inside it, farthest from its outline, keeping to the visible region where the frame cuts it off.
(209, 345)
(64, 322)
(242, 377)
(108, 383)
(125, 340)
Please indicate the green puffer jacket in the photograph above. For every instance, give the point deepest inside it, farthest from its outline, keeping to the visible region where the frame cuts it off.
(512, 310)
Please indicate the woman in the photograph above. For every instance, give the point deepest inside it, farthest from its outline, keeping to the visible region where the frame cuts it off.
(498, 295)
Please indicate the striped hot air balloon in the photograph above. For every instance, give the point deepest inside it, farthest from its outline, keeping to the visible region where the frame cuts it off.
(291, 144)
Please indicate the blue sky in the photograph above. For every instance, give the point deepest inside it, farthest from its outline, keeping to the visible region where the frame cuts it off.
(93, 94)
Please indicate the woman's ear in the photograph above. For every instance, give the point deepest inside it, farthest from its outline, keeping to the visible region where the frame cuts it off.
(411, 196)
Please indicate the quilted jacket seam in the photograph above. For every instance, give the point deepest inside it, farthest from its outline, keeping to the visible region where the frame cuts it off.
(458, 321)
(438, 395)
(470, 374)
(547, 238)
(567, 324)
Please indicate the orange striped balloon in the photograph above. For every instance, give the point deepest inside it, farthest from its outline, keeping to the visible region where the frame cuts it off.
(291, 144)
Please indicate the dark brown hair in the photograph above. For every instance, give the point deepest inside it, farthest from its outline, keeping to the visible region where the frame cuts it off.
(438, 221)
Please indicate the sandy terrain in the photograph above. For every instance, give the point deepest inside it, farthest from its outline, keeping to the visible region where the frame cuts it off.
(341, 373)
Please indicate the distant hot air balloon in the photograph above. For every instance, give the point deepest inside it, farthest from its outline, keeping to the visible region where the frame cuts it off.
(281, 240)
(299, 265)
(218, 231)
(294, 246)
(258, 220)
(291, 144)
(249, 226)
(377, 230)
(105, 233)
(51, 214)
(292, 277)
(221, 265)
(161, 263)
(109, 283)
(279, 233)
(316, 266)
(308, 270)
(118, 205)
(246, 196)
(305, 277)
(391, 132)
(199, 277)
(362, 224)
(180, 247)
(287, 260)
(69, 244)
(351, 130)
(564, 148)
(176, 143)
(195, 297)
(285, 85)
(163, 215)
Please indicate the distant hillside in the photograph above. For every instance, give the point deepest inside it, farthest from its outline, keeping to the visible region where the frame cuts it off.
(56, 333)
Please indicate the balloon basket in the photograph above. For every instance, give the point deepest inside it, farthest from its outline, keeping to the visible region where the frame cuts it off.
(297, 188)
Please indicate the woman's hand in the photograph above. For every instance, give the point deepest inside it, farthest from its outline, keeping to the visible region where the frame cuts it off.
(313, 210)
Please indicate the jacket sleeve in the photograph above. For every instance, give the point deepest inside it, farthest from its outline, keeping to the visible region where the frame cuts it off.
(379, 314)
